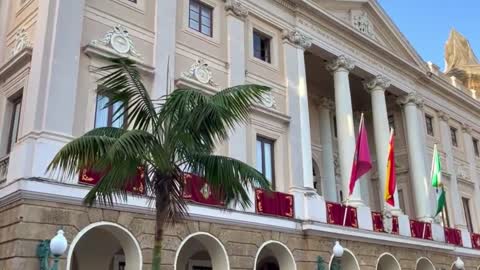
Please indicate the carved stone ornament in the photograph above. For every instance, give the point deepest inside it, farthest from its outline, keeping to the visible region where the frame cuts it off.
(466, 128)
(326, 103)
(341, 62)
(119, 40)
(443, 116)
(380, 82)
(410, 98)
(21, 41)
(361, 22)
(297, 38)
(268, 100)
(200, 72)
(237, 8)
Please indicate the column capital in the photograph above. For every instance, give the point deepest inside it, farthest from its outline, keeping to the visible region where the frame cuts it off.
(466, 128)
(443, 116)
(341, 62)
(325, 103)
(297, 38)
(236, 8)
(410, 99)
(379, 82)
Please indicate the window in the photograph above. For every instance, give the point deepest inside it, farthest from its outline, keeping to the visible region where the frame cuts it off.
(14, 123)
(475, 147)
(429, 124)
(453, 135)
(108, 116)
(468, 217)
(261, 46)
(200, 17)
(391, 122)
(265, 161)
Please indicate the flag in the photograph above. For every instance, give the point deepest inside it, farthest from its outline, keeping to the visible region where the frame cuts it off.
(436, 171)
(440, 202)
(362, 162)
(390, 181)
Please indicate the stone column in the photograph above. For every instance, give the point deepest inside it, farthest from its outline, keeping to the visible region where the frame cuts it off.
(418, 175)
(450, 168)
(341, 68)
(5, 6)
(328, 166)
(472, 162)
(376, 87)
(165, 43)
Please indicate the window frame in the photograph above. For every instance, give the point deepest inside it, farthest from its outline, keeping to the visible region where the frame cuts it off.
(262, 36)
(453, 136)
(476, 150)
(110, 114)
(429, 125)
(14, 102)
(202, 7)
(263, 141)
(467, 213)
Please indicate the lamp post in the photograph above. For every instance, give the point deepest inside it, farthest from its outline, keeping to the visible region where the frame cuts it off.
(56, 247)
(459, 264)
(337, 255)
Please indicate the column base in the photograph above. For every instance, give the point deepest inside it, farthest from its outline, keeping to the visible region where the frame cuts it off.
(425, 219)
(438, 233)
(364, 216)
(466, 238)
(396, 211)
(309, 205)
(354, 202)
(404, 225)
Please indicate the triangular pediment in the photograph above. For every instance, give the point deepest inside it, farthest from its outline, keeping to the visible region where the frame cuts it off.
(369, 19)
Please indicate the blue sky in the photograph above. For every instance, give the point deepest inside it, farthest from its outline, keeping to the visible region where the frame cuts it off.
(427, 23)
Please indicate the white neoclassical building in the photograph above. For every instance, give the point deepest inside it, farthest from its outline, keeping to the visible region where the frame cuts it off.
(326, 61)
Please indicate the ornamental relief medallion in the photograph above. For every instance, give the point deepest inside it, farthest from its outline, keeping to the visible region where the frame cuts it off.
(200, 72)
(119, 40)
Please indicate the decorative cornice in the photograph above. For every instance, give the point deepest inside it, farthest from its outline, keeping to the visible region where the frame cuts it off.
(443, 116)
(236, 8)
(297, 38)
(341, 62)
(380, 82)
(410, 98)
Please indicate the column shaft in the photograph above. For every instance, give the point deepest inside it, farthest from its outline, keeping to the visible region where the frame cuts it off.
(4, 17)
(469, 149)
(328, 166)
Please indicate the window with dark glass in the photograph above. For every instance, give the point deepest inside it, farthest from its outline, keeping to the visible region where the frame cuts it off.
(133, 1)
(468, 217)
(429, 124)
(14, 123)
(335, 126)
(265, 158)
(200, 17)
(475, 147)
(453, 135)
(108, 116)
(261, 46)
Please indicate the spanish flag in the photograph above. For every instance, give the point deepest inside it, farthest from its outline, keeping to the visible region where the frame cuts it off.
(390, 182)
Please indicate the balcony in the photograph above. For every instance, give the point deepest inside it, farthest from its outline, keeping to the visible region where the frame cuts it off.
(4, 168)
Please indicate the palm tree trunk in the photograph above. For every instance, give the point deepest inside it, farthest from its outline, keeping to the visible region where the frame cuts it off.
(160, 218)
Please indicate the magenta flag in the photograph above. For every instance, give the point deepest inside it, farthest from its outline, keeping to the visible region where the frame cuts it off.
(362, 162)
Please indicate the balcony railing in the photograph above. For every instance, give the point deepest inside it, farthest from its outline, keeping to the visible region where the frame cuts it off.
(4, 168)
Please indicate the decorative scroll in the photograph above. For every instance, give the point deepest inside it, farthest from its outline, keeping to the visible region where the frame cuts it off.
(336, 213)
(136, 185)
(377, 220)
(417, 227)
(196, 189)
(453, 236)
(476, 240)
(274, 203)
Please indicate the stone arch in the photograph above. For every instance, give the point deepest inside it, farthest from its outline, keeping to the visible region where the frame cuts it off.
(274, 253)
(201, 249)
(104, 244)
(348, 261)
(317, 179)
(387, 261)
(424, 264)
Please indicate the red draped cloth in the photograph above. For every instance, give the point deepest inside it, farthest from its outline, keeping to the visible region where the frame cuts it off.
(377, 219)
(417, 227)
(196, 189)
(476, 240)
(453, 236)
(274, 203)
(135, 185)
(336, 214)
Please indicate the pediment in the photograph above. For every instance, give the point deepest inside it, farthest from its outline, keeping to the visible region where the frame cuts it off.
(369, 19)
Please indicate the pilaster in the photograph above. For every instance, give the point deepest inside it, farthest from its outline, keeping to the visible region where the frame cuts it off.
(472, 162)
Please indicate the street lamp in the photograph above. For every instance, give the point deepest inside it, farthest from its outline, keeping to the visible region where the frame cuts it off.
(337, 255)
(459, 264)
(56, 247)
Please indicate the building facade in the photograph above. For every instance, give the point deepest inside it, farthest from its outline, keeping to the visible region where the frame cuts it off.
(326, 61)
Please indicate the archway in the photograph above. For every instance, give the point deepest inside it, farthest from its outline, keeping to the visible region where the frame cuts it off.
(424, 264)
(348, 261)
(386, 261)
(104, 245)
(273, 255)
(317, 179)
(201, 251)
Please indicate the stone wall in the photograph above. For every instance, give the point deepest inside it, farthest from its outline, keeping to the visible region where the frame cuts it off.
(25, 222)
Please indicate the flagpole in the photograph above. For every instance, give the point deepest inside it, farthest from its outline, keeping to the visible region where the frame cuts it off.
(346, 211)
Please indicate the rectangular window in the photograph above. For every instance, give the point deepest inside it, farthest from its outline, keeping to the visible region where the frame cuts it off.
(261, 46)
(265, 158)
(468, 217)
(429, 124)
(200, 17)
(475, 147)
(453, 135)
(14, 123)
(108, 116)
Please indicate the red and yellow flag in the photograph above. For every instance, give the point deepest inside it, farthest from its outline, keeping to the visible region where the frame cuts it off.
(390, 182)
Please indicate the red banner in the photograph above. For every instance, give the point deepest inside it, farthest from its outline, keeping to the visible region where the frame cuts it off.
(336, 214)
(476, 240)
(453, 236)
(377, 219)
(274, 203)
(136, 185)
(417, 228)
(196, 189)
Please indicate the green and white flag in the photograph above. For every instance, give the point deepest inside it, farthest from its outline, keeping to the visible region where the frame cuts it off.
(440, 202)
(436, 169)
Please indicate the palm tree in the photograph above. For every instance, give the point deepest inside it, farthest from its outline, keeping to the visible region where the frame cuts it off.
(167, 137)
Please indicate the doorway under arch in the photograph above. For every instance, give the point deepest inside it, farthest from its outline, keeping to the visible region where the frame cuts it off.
(104, 245)
(348, 261)
(201, 251)
(273, 255)
(424, 264)
(387, 261)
